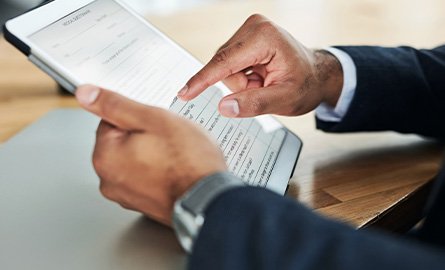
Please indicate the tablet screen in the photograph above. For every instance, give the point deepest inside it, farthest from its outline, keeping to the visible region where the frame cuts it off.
(106, 45)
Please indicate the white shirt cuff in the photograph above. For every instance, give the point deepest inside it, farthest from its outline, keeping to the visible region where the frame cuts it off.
(327, 113)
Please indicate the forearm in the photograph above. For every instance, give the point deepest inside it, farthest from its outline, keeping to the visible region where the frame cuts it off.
(399, 89)
(251, 228)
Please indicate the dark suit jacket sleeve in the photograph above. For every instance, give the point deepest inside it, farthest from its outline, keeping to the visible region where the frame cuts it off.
(251, 228)
(399, 89)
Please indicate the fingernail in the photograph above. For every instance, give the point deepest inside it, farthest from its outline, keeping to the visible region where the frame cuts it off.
(183, 91)
(229, 108)
(87, 94)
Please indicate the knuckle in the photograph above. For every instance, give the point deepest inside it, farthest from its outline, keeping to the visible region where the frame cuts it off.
(255, 17)
(266, 27)
(100, 163)
(97, 159)
(126, 206)
(106, 191)
(220, 57)
(222, 61)
(239, 44)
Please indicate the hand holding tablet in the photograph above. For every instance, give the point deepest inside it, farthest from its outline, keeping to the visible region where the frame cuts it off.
(132, 139)
(127, 55)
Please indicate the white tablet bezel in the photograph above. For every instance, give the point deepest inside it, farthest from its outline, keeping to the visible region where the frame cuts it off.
(19, 29)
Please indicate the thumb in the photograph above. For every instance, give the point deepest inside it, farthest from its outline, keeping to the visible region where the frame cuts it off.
(257, 101)
(113, 108)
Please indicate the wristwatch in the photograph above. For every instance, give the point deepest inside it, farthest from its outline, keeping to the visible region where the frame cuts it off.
(188, 213)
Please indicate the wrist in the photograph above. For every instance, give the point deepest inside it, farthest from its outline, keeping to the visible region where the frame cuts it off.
(330, 76)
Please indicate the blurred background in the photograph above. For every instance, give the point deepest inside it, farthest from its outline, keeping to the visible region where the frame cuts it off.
(315, 22)
(11, 8)
(396, 21)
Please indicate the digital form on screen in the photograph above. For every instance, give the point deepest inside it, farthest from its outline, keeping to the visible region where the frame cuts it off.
(104, 44)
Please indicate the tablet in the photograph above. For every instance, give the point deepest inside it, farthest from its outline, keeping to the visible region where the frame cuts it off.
(105, 43)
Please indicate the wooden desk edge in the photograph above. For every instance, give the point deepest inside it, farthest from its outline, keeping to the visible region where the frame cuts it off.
(406, 213)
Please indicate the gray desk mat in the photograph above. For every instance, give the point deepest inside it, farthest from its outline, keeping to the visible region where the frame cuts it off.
(52, 215)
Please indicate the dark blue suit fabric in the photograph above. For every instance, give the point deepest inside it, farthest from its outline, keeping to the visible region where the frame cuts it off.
(399, 89)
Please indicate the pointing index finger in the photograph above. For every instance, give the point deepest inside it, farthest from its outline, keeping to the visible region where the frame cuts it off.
(228, 61)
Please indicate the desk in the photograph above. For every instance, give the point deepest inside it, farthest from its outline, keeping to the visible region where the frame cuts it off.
(369, 179)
